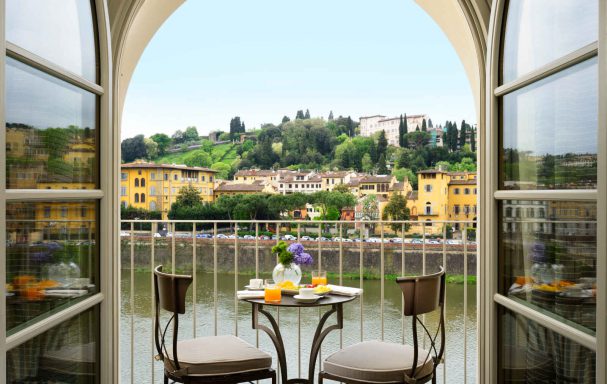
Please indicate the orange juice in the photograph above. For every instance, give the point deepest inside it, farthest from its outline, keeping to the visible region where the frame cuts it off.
(319, 280)
(272, 294)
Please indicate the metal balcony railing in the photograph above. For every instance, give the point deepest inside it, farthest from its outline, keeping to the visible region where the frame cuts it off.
(223, 255)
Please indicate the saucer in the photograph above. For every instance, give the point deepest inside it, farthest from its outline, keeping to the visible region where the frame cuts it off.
(253, 288)
(310, 299)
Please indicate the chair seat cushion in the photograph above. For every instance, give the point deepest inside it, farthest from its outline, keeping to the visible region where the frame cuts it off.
(377, 362)
(217, 355)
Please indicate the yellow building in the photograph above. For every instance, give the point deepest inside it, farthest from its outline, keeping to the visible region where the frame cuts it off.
(332, 179)
(462, 198)
(155, 187)
(251, 175)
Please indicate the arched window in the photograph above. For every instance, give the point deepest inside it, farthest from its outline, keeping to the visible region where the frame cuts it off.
(143, 197)
(152, 191)
(428, 208)
(136, 197)
(136, 182)
(143, 182)
(152, 205)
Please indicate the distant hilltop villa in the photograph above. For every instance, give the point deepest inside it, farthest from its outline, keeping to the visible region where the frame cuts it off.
(376, 123)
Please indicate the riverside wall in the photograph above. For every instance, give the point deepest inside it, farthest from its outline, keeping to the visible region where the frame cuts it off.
(245, 256)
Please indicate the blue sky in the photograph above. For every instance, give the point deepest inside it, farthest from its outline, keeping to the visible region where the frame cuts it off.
(260, 60)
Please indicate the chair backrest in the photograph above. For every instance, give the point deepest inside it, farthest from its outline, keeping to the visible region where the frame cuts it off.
(169, 294)
(424, 294)
(170, 290)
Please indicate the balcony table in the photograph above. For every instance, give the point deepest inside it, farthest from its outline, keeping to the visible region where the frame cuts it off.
(336, 302)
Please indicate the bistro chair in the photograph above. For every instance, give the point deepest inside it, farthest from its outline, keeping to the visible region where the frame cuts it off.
(213, 359)
(383, 362)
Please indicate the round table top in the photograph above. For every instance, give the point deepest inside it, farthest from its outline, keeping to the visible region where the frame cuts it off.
(289, 301)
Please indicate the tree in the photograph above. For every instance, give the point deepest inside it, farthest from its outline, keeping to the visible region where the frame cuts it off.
(396, 210)
(299, 115)
(382, 144)
(236, 128)
(472, 140)
(191, 134)
(151, 148)
(330, 116)
(188, 196)
(403, 174)
(452, 136)
(370, 207)
(401, 132)
(197, 158)
(178, 137)
(430, 123)
(341, 188)
(333, 199)
(285, 119)
(367, 163)
(163, 142)
(382, 169)
(223, 170)
(350, 126)
(462, 134)
(307, 115)
(424, 126)
(132, 149)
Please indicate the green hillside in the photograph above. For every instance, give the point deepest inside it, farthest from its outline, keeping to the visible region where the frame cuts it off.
(222, 153)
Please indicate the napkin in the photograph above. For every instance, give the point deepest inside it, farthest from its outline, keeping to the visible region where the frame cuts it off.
(345, 291)
(249, 294)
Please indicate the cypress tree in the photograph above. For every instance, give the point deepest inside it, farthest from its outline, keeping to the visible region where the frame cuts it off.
(382, 169)
(307, 115)
(430, 123)
(285, 119)
(424, 126)
(382, 144)
(401, 132)
(350, 127)
(462, 134)
(330, 115)
(472, 140)
(299, 115)
(417, 128)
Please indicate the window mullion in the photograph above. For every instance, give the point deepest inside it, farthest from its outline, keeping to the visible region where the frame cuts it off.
(552, 195)
(54, 194)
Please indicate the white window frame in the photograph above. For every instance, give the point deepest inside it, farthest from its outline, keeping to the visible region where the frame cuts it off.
(107, 196)
(490, 297)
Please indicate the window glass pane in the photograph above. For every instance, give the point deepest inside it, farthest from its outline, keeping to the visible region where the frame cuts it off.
(52, 258)
(61, 31)
(67, 353)
(530, 353)
(549, 138)
(531, 28)
(548, 258)
(51, 129)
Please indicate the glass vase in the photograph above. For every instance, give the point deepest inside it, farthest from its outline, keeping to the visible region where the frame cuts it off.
(282, 273)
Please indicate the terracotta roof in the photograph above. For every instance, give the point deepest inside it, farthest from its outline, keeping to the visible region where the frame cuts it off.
(334, 174)
(240, 188)
(430, 171)
(398, 187)
(462, 182)
(368, 117)
(255, 172)
(462, 173)
(412, 195)
(166, 166)
(376, 179)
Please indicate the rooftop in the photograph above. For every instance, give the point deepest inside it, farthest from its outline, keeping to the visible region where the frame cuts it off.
(143, 164)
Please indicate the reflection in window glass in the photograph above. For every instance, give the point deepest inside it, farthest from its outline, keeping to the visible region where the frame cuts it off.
(549, 138)
(61, 31)
(67, 353)
(50, 132)
(531, 27)
(548, 258)
(51, 258)
(530, 353)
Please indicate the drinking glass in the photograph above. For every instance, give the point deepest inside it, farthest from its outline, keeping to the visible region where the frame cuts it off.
(272, 293)
(319, 277)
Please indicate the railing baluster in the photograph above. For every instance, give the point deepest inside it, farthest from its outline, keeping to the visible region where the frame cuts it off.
(132, 302)
(257, 272)
(424, 273)
(215, 277)
(152, 251)
(360, 277)
(173, 257)
(194, 282)
(319, 315)
(382, 277)
(341, 280)
(465, 242)
(445, 302)
(299, 318)
(235, 279)
(402, 273)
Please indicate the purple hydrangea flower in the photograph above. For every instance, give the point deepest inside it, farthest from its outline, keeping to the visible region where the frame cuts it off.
(303, 259)
(296, 248)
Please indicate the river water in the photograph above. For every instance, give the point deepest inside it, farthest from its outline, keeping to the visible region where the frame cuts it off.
(236, 318)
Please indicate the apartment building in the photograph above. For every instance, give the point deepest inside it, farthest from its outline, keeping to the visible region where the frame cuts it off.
(155, 187)
(303, 182)
(239, 188)
(370, 125)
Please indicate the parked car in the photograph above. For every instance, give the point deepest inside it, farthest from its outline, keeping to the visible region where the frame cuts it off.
(204, 236)
(417, 241)
(306, 238)
(396, 240)
(124, 234)
(289, 237)
(221, 236)
(249, 237)
(264, 237)
(373, 240)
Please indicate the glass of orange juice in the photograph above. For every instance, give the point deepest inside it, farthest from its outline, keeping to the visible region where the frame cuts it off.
(319, 277)
(272, 293)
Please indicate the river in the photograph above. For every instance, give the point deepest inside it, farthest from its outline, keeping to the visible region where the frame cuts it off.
(227, 313)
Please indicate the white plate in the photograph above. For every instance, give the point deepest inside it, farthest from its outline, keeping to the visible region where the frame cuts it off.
(310, 299)
(253, 288)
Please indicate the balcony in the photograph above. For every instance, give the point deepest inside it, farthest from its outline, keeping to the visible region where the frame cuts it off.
(226, 254)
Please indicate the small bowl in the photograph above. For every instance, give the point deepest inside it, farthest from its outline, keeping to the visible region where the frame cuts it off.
(306, 292)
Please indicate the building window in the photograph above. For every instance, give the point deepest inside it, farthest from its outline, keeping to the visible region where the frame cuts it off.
(210, 179)
(136, 182)
(456, 209)
(64, 211)
(166, 191)
(428, 209)
(143, 197)
(456, 191)
(136, 197)
(47, 212)
(139, 172)
(428, 187)
(152, 205)
(466, 191)
(83, 211)
(202, 178)
(153, 176)
(166, 177)
(143, 182)
(122, 191)
(175, 177)
(466, 209)
(123, 176)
